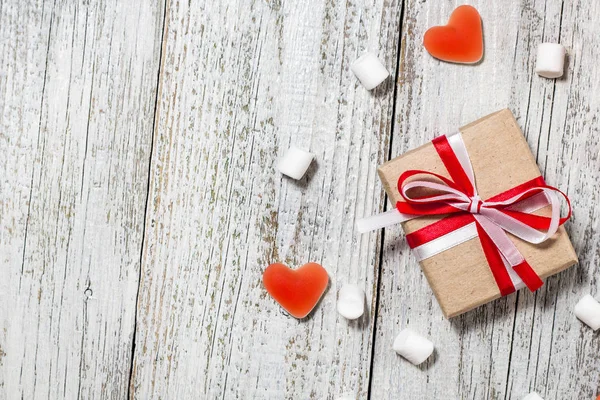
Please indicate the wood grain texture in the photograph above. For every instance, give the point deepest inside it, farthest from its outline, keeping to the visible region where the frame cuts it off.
(525, 341)
(552, 351)
(241, 81)
(77, 92)
(138, 143)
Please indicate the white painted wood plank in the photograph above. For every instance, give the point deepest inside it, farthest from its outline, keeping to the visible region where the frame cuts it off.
(78, 86)
(475, 357)
(552, 351)
(241, 82)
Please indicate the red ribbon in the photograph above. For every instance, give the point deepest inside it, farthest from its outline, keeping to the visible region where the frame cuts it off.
(459, 217)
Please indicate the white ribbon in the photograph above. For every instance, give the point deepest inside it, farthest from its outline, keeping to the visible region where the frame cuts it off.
(493, 221)
(467, 232)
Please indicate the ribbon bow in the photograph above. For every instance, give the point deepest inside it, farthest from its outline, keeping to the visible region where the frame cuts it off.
(510, 211)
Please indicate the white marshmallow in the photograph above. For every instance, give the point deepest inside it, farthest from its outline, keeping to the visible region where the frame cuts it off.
(351, 301)
(533, 396)
(550, 60)
(412, 346)
(588, 311)
(369, 70)
(295, 162)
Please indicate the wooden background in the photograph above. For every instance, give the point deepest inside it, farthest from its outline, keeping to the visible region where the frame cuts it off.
(139, 203)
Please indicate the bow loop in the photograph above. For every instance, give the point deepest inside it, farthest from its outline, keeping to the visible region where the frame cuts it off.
(466, 215)
(511, 211)
(439, 195)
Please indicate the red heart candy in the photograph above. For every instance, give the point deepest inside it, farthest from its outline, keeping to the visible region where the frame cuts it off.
(297, 291)
(461, 41)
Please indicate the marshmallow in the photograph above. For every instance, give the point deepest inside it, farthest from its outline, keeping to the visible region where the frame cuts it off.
(351, 301)
(550, 60)
(533, 396)
(588, 311)
(412, 346)
(369, 70)
(295, 162)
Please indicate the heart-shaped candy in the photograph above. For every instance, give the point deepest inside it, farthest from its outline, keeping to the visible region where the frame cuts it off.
(461, 41)
(297, 291)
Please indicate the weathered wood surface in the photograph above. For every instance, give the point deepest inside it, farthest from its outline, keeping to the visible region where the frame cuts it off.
(526, 341)
(241, 81)
(77, 92)
(188, 105)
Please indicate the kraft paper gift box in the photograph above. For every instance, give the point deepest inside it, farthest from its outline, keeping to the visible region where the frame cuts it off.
(460, 276)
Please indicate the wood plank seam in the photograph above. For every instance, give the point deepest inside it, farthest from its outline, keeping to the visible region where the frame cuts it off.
(386, 204)
(130, 389)
(38, 142)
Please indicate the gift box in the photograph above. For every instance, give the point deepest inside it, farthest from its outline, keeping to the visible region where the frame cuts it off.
(502, 164)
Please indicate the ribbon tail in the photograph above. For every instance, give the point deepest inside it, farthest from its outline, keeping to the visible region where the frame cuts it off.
(494, 259)
(528, 275)
(383, 220)
(502, 243)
